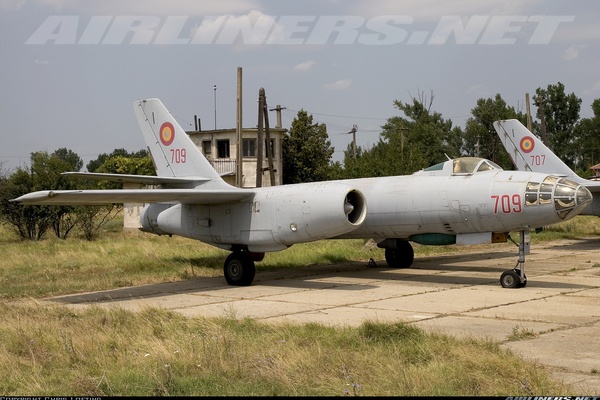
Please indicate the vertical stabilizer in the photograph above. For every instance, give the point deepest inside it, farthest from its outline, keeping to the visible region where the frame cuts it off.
(173, 152)
(527, 151)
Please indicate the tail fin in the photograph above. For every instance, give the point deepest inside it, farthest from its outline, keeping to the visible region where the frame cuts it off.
(173, 152)
(528, 152)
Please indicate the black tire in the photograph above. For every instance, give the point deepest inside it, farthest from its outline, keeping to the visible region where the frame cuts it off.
(239, 269)
(511, 279)
(400, 257)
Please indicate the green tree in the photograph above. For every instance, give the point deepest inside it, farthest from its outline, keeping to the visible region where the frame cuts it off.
(131, 165)
(406, 144)
(30, 222)
(46, 170)
(480, 137)
(307, 151)
(74, 162)
(92, 218)
(93, 165)
(560, 112)
(587, 146)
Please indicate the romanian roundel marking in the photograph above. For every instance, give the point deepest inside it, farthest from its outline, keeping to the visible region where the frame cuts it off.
(167, 133)
(527, 144)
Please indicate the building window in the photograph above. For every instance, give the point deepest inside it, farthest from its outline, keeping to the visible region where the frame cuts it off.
(272, 148)
(249, 147)
(223, 148)
(206, 148)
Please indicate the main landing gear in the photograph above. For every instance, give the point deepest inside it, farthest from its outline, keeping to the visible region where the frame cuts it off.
(516, 278)
(239, 268)
(398, 253)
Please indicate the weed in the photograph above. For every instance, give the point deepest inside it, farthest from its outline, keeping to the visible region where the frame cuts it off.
(521, 333)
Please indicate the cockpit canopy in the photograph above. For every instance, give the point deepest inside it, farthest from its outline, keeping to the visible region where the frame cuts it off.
(461, 166)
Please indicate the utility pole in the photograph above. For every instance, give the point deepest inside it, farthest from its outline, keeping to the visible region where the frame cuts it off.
(278, 108)
(263, 115)
(269, 152)
(239, 169)
(215, 102)
(540, 105)
(528, 108)
(353, 132)
(259, 153)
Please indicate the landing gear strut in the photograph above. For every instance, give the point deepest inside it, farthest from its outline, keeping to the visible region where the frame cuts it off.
(516, 278)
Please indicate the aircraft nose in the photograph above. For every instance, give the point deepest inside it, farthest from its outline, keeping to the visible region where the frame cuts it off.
(570, 198)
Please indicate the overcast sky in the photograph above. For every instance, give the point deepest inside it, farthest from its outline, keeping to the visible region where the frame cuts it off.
(71, 69)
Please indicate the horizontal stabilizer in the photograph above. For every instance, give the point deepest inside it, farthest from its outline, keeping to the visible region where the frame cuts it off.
(101, 197)
(141, 179)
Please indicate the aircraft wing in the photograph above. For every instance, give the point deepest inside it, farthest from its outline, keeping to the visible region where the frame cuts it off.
(141, 179)
(101, 197)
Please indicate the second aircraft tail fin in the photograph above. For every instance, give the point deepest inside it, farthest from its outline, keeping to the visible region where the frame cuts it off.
(527, 151)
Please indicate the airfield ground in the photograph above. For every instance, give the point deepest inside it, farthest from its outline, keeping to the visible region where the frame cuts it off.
(555, 320)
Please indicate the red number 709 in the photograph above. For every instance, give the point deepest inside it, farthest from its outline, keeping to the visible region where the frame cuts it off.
(507, 204)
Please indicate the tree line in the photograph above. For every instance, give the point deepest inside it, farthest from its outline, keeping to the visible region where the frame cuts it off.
(44, 173)
(421, 137)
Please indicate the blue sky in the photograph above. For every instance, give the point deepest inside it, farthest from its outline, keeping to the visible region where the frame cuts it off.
(71, 69)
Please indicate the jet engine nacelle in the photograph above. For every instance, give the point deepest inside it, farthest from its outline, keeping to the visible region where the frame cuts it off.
(315, 211)
(274, 219)
(149, 218)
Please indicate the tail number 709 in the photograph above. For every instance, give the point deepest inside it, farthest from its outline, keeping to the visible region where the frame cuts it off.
(178, 156)
(507, 204)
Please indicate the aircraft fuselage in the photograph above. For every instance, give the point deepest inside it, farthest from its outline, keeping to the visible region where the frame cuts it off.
(425, 207)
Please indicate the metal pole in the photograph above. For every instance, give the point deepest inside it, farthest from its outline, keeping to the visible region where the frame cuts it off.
(239, 169)
(215, 102)
(259, 138)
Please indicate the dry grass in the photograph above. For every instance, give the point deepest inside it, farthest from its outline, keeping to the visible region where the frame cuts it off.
(52, 350)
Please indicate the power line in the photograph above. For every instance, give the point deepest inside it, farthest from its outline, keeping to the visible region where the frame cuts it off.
(341, 116)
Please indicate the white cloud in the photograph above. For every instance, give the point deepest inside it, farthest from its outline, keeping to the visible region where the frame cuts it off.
(572, 52)
(594, 89)
(434, 9)
(149, 7)
(305, 66)
(338, 85)
(11, 4)
(480, 89)
(41, 62)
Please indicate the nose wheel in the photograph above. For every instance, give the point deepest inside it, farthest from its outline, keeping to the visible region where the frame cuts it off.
(512, 279)
(516, 278)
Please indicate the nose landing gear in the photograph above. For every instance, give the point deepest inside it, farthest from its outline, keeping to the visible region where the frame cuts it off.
(516, 278)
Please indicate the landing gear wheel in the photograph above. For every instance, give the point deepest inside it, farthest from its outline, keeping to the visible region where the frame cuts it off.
(400, 257)
(511, 279)
(239, 269)
(524, 283)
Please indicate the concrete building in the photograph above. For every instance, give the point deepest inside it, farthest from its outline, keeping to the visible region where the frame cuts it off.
(596, 169)
(220, 149)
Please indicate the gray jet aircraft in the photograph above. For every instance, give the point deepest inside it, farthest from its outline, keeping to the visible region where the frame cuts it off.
(461, 201)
